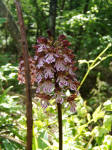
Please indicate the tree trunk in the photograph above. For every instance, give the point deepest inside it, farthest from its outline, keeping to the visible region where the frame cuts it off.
(11, 25)
(53, 7)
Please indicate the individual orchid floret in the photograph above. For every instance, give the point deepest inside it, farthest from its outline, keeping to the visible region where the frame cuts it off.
(44, 99)
(49, 58)
(62, 81)
(39, 77)
(60, 97)
(41, 62)
(48, 87)
(60, 66)
(72, 85)
(67, 59)
(49, 72)
(70, 99)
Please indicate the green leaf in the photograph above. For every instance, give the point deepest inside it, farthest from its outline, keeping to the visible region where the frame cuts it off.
(102, 147)
(41, 144)
(2, 20)
(7, 144)
(108, 140)
(81, 128)
(98, 114)
(5, 92)
(2, 77)
(99, 131)
(108, 105)
(107, 123)
(35, 142)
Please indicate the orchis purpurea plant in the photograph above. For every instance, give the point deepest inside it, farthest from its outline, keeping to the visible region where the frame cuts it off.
(52, 70)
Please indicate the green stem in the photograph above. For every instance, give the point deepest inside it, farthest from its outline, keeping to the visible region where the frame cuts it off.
(91, 139)
(108, 46)
(94, 65)
(84, 78)
(110, 55)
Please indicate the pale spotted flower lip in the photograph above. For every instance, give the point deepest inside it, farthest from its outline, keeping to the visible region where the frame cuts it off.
(72, 86)
(60, 66)
(39, 77)
(67, 59)
(41, 48)
(44, 104)
(48, 87)
(49, 72)
(35, 57)
(40, 62)
(49, 58)
(70, 71)
(62, 80)
(60, 97)
(38, 90)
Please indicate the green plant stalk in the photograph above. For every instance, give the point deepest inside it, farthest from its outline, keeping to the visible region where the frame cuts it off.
(35, 142)
(91, 139)
(104, 58)
(108, 46)
(84, 78)
(93, 65)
